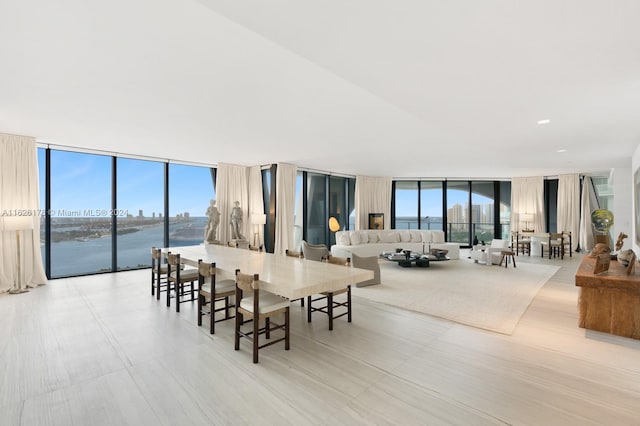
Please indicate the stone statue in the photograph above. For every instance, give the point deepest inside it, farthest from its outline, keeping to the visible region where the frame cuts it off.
(212, 225)
(236, 222)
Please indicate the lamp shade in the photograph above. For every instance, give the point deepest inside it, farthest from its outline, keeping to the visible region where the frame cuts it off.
(334, 225)
(527, 217)
(258, 219)
(16, 223)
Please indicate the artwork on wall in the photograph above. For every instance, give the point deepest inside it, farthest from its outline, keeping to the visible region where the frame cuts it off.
(636, 204)
(376, 220)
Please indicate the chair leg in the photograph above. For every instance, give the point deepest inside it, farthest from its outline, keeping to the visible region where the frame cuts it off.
(330, 309)
(308, 308)
(349, 303)
(267, 328)
(237, 332)
(168, 293)
(200, 305)
(179, 295)
(286, 329)
(256, 330)
(212, 316)
(153, 282)
(514, 261)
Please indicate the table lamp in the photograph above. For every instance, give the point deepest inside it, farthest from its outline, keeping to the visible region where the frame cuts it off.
(526, 218)
(17, 224)
(257, 219)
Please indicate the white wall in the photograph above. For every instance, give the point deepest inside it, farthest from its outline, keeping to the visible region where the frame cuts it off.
(635, 163)
(623, 205)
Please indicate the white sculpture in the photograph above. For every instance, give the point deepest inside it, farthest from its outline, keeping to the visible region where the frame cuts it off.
(236, 222)
(212, 225)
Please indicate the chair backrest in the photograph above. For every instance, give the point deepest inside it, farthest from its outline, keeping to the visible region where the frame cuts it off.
(314, 251)
(206, 270)
(156, 254)
(555, 236)
(498, 243)
(173, 259)
(292, 253)
(251, 284)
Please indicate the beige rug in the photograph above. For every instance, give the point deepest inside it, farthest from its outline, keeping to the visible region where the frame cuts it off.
(489, 297)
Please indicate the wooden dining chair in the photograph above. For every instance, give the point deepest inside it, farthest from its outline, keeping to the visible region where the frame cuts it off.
(253, 305)
(211, 291)
(522, 243)
(327, 298)
(299, 255)
(177, 278)
(554, 245)
(158, 273)
(567, 242)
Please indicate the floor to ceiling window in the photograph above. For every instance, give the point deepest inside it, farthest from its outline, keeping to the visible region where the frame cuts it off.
(431, 205)
(482, 210)
(337, 204)
(505, 210)
(406, 205)
(81, 224)
(42, 184)
(140, 208)
(458, 212)
(190, 190)
(316, 209)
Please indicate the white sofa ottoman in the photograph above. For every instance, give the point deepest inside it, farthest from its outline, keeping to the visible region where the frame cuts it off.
(372, 242)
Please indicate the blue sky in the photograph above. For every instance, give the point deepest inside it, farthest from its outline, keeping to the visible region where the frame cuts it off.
(83, 181)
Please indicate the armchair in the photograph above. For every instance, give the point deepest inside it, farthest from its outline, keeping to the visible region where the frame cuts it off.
(491, 255)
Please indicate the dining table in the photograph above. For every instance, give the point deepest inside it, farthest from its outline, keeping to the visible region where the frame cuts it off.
(286, 276)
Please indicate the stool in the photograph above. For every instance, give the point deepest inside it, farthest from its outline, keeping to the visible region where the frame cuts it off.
(506, 254)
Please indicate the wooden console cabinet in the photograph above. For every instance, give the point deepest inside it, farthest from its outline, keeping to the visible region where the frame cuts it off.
(610, 301)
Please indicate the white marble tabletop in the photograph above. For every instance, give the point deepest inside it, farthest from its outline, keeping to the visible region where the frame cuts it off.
(287, 276)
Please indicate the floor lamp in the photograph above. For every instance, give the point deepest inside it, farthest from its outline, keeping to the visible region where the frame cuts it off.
(17, 224)
(257, 220)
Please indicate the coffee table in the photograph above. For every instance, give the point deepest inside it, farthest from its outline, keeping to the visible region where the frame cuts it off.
(406, 258)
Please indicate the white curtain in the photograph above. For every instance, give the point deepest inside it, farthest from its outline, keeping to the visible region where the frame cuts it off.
(232, 184)
(373, 195)
(589, 204)
(527, 197)
(256, 204)
(569, 206)
(285, 207)
(19, 196)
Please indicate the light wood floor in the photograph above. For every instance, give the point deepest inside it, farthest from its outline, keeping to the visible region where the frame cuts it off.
(100, 350)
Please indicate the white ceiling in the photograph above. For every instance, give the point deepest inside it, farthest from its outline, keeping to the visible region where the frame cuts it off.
(404, 88)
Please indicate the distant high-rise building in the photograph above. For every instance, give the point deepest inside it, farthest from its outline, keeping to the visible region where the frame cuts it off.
(153, 215)
(186, 215)
(140, 213)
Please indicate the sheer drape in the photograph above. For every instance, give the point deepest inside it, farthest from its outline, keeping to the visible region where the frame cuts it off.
(285, 207)
(569, 206)
(256, 203)
(589, 203)
(527, 196)
(373, 195)
(232, 183)
(19, 195)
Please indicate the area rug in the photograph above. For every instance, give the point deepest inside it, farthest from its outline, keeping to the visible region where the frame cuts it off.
(489, 297)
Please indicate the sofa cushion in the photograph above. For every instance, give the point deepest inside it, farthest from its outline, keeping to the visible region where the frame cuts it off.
(355, 238)
(405, 236)
(373, 237)
(416, 236)
(389, 237)
(437, 236)
(343, 238)
(426, 236)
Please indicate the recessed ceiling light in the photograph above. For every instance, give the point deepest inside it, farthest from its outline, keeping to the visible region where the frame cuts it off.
(561, 150)
(545, 121)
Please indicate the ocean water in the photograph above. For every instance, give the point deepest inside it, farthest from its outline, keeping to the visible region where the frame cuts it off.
(134, 249)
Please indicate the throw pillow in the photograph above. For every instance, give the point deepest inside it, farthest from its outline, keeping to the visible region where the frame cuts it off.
(416, 236)
(373, 237)
(388, 237)
(437, 236)
(355, 238)
(363, 237)
(344, 239)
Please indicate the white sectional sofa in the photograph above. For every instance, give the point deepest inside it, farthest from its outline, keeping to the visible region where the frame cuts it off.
(372, 242)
